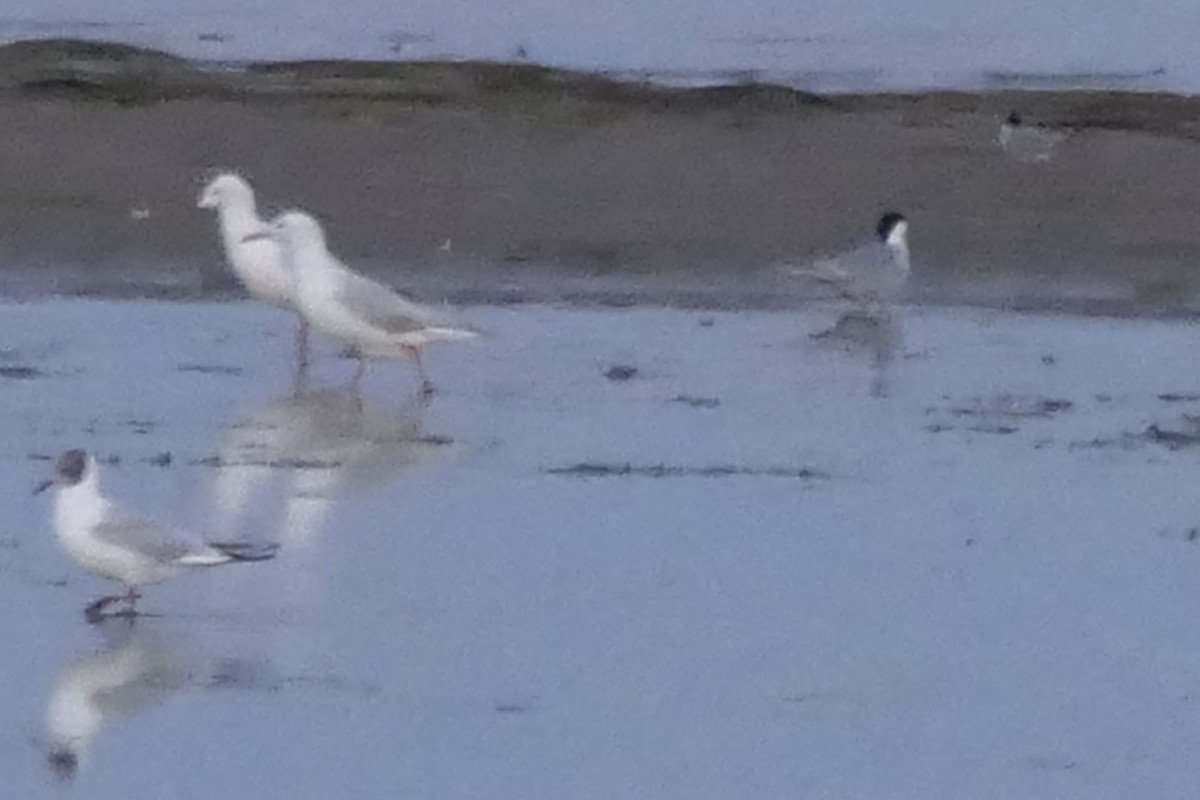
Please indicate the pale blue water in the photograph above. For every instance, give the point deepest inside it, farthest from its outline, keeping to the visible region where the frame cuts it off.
(816, 44)
(986, 597)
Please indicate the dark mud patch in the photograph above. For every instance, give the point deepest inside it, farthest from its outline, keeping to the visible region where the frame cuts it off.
(211, 369)
(1048, 762)
(1012, 407)
(998, 429)
(301, 463)
(140, 426)
(1124, 441)
(217, 462)
(1189, 536)
(127, 75)
(694, 401)
(21, 373)
(104, 72)
(995, 415)
(619, 373)
(1179, 397)
(1172, 439)
(629, 470)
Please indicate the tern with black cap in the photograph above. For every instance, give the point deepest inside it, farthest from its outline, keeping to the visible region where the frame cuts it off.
(1028, 142)
(874, 274)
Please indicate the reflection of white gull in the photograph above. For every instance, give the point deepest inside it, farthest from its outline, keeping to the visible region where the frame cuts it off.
(874, 274)
(259, 264)
(1028, 143)
(373, 319)
(325, 442)
(112, 543)
(135, 672)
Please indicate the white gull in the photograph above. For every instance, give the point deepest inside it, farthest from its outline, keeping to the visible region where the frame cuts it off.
(374, 319)
(258, 263)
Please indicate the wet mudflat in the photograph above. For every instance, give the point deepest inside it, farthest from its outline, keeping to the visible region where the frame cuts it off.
(621, 553)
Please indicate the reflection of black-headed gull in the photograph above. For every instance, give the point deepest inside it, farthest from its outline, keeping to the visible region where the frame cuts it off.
(1029, 143)
(137, 668)
(132, 674)
(372, 318)
(112, 543)
(874, 274)
(259, 264)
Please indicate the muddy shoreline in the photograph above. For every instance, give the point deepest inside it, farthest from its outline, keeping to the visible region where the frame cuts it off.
(513, 183)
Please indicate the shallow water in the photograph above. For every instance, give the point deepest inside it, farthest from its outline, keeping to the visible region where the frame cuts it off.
(822, 45)
(764, 565)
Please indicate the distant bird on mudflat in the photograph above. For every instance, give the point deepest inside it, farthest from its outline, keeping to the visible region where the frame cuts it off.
(1027, 142)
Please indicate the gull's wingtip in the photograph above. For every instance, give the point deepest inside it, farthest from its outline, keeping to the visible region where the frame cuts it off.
(247, 551)
(216, 553)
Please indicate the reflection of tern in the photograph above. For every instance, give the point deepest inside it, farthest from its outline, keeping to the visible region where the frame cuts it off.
(112, 543)
(324, 442)
(258, 264)
(874, 274)
(374, 319)
(1028, 142)
(877, 337)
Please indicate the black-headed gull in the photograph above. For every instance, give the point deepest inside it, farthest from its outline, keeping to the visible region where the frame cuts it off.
(108, 541)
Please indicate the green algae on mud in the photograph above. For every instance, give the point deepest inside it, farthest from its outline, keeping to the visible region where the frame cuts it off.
(102, 70)
(515, 182)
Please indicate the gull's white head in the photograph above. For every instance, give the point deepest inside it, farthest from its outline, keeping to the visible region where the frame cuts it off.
(72, 468)
(892, 229)
(226, 190)
(299, 230)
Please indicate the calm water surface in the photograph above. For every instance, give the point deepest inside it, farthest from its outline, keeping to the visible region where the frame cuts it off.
(766, 565)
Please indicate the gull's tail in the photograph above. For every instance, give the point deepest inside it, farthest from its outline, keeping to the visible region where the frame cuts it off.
(451, 334)
(826, 270)
(225, 552)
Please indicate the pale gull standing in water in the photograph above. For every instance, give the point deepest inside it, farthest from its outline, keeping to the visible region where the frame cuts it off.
(875, 274)
(375, 320)
(258, 263)
(1027, 142)
(112, 543)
